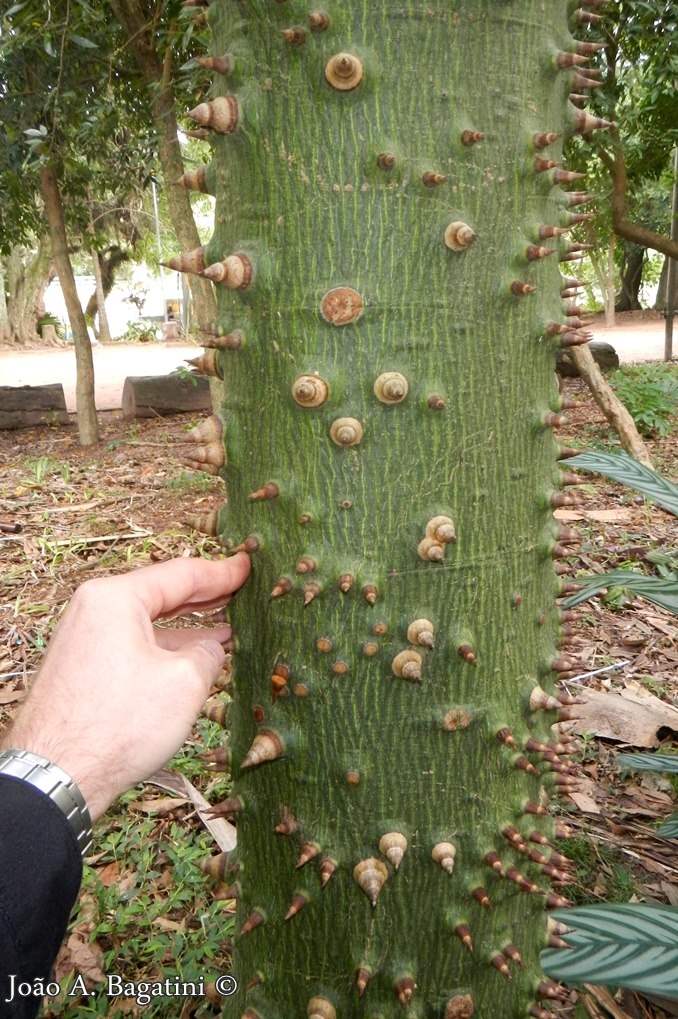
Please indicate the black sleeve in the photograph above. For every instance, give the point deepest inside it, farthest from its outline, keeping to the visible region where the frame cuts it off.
(40, 873)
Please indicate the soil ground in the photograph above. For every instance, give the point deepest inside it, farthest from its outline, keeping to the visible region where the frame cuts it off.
(92, 512)
(112, 364)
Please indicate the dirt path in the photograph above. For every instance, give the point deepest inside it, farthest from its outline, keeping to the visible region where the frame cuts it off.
(637, 336)
(112, 364)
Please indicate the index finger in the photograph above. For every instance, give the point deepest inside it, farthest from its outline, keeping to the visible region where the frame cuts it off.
(186, 585)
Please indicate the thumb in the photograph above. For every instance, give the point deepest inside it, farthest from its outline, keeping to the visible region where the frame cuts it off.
(207, 657)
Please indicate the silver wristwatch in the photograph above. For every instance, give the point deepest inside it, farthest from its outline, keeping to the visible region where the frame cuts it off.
(55, 783)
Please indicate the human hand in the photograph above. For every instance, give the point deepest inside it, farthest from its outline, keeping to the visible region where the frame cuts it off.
(116, 697)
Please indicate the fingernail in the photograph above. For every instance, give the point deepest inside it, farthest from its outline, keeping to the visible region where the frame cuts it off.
(214, 649)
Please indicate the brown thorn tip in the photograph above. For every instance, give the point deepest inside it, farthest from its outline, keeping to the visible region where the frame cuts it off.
(505, 736)
(266, 746)
(299, 900)
(499, 962)
(550, 989)
(308, 852)
(370, 875)
(327, 869)
(311, 591)
(269, 491)
(521, 289)
(512, 953)
(431, 179)
(480, 895)
(255, 919)
(465, 651)
(404, 989)
(469, 138)
(362, 979)
(346, 582)
(283, 586)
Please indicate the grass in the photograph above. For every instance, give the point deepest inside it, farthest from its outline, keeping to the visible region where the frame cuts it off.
(191, 481)
(600, 872)
(650, 393)
(146, 911)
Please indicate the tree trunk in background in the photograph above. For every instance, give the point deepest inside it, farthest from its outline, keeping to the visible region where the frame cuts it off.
(4, 317)
(142, 42)
(661, 299)
(27, 276)
(88, 427)
(632, 279)
(611, 406)
(389, 315)
(104, 331)
(109, 261)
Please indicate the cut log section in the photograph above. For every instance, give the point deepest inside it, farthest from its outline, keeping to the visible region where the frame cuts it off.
(27, 406)
(145, 396)
(603, 354)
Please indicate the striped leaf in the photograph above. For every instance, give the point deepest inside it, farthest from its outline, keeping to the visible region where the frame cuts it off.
(618, 945)
(657, 590)
(624, 469)
(669, 829)
(649, 762)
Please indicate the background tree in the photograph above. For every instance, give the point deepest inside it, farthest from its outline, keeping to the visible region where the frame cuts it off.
(630, 167)
(52, 75)
(390, 214)
(67, 87)
(157, 36)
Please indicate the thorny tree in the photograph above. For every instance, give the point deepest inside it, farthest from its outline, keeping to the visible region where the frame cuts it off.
(394, 278)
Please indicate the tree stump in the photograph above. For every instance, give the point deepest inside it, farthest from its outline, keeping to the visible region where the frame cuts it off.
(604, 355)
(27, 406)
(146, 396)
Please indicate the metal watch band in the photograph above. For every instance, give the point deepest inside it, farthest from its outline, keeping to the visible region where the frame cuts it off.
(52, 780)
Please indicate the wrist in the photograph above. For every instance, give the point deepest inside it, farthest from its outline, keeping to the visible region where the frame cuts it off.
(67, 755)
(54, 782)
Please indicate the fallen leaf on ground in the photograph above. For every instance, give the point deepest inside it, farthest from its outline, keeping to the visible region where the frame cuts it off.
(221, 831)
(109, 873)
(603, 515)
(585, 803)
(625, 717)
(160, 805)
(81, 956)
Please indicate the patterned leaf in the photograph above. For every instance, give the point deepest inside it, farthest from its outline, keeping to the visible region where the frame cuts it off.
(625, 945)
(649, 762)
(627, 471)
(657, 590)
(669, 829)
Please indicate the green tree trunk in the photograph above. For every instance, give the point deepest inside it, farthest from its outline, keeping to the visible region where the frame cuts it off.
(389, 319)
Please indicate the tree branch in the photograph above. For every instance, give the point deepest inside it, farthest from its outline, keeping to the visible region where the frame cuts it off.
(620, 224)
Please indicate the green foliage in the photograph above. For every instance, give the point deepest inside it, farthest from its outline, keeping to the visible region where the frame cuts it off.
(627, 471)
(627, 945)
(139, 332)
(654, 589)
(662, 590)
(650, 394)
(50, 320)
(157, 921)
(620, 944)
(598, 869)
(637, 67)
